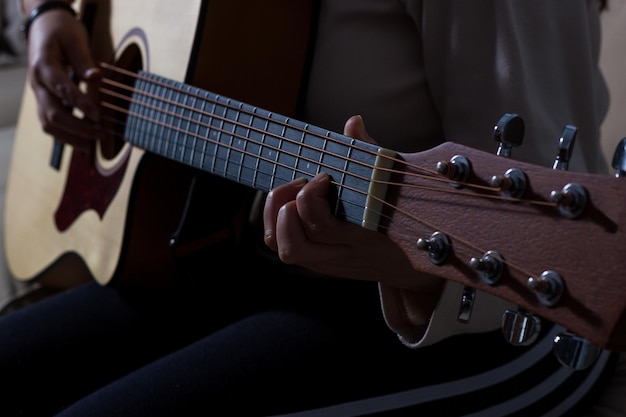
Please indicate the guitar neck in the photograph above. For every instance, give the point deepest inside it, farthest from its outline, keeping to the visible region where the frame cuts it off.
(512, 238)
(254, 147)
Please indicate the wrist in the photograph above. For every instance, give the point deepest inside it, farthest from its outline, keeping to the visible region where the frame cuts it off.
(40, 7)
(27, 6)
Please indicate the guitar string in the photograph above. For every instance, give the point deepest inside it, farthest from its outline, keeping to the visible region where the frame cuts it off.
(243, 151)
(468, 244)
(434, 175)
(431, 177)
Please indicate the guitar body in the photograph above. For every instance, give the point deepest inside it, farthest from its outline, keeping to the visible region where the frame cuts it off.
(112, 215)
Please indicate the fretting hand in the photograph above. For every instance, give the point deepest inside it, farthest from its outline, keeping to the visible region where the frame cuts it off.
(301, 228)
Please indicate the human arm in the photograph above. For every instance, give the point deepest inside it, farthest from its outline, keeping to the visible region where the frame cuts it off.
(59, 59)
(299, 226)
(456, 70)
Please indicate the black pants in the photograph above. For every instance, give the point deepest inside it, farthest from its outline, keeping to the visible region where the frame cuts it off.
(236, 344)
(250, 345)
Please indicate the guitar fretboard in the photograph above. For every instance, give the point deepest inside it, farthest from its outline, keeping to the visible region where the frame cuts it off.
(249, 145)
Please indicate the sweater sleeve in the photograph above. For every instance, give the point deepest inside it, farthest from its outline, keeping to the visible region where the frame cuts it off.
(398, 306)
(535, 58)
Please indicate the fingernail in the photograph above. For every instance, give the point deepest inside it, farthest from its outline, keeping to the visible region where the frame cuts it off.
(92, 74)
(299, 182)
(321, 176)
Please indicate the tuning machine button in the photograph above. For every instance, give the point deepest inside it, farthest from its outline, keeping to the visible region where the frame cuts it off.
(457, 169)
(566, 145)
(520, 328)
(549, 287)
(438, 247)
(513, 183)
(619, 159)
(575, 352)
(489, 266)
(571, 200)
(509, 132)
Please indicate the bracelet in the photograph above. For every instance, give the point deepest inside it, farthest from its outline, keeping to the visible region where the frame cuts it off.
(42, 8)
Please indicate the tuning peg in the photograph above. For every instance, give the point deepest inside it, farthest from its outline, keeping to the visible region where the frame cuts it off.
(571, 200)
(566, 145)
(548, 288)
(513, 183)
(490, 266)
(437, 245)
(575, 352)
(509, 132)
(458, 169)
(520, 328)
(619, 159)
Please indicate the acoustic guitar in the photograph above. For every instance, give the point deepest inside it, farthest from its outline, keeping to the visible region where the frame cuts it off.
(109, 216)
(547, 240)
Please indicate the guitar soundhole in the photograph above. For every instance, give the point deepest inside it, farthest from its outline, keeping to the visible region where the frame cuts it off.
(116, 94)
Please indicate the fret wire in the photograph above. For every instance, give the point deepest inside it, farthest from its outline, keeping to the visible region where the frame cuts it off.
(154, 140)
(228, 138)
(231, 138)
(276, 155)
(139, 121)
(323, 152)
(336, 209)
(216, 131)
(177, 133)
(171, 106)
(273, 152)
(255, 172)
(267, 152)
(218, 135)
(160, 130)
(203, 131)
(308, 155)
(280, 147)
(136, 126)
(224, 137)
(279, 155)
(342, 182)
(170, 146)
(180, 113)
(131, 124)
(145, 133)
(169, 118)
(346, 164)
(161, 139)
(302, 149)
(249, 147)
(150, 102)
(190, 102)
(236, 139)
(206, 142)
(196, 133)
(198, 142)
(182, 121)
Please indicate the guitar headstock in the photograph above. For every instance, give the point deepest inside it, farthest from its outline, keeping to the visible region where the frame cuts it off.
(550, 240)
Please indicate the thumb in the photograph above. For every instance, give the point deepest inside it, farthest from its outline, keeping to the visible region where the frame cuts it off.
(355, 128)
